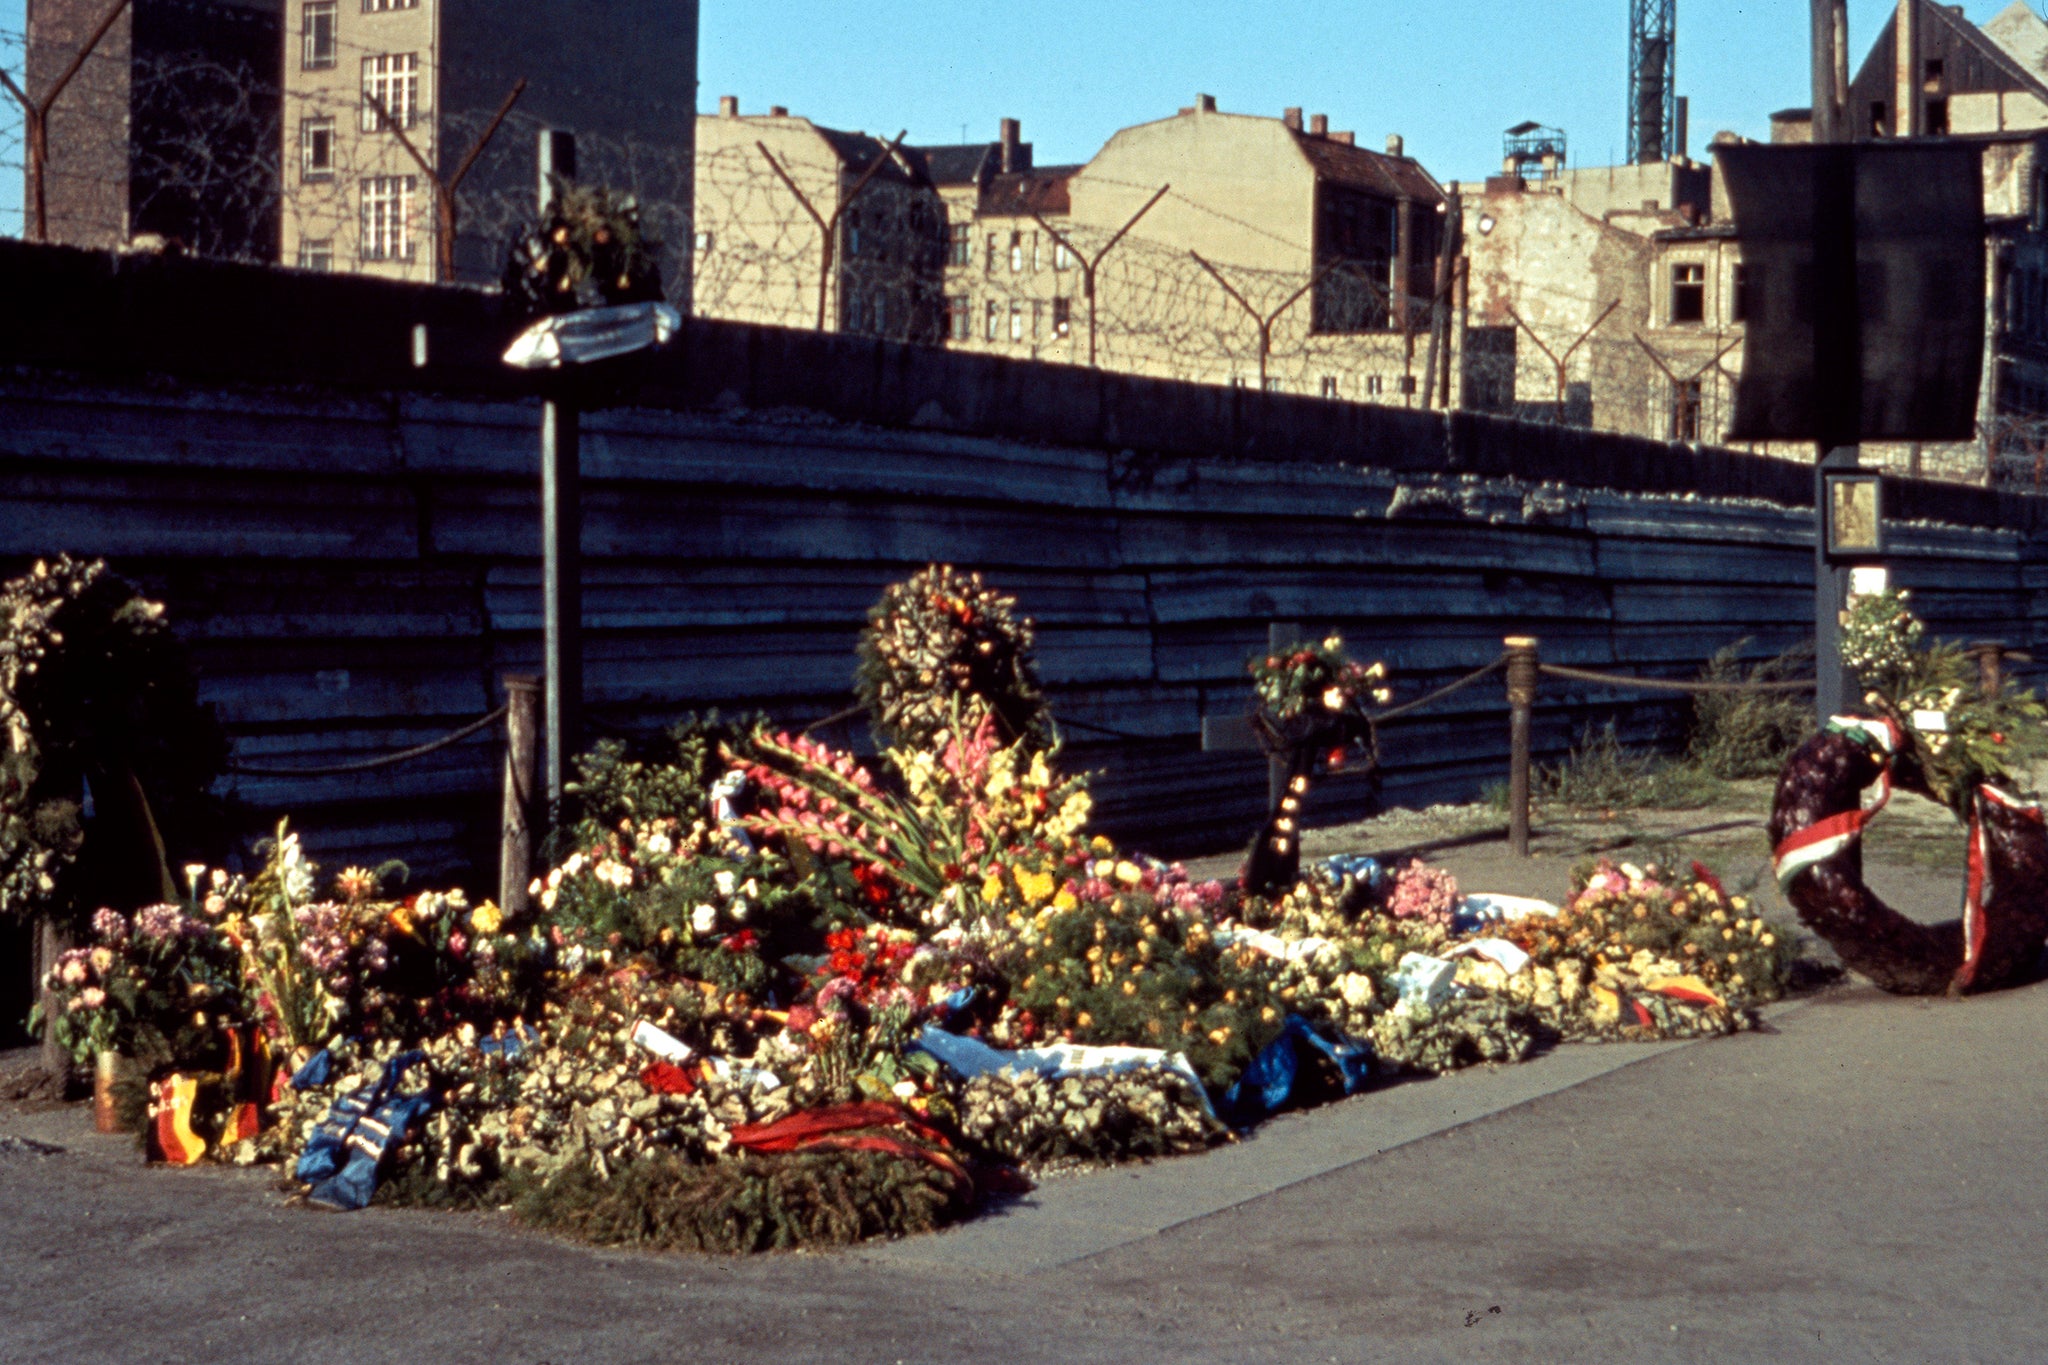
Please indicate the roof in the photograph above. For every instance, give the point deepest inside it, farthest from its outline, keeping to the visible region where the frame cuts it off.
(1395, 177)
(2012, 69)
(1043, 190)
(961, 163)
(857, 151)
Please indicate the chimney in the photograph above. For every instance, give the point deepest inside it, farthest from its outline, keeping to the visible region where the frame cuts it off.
(1348, 139)
(1394, 144)
(1205, 104)
(1679, 150)
(1319, 124)
(1291, 116)
(728, 106)
(778, 111)
(1009, 131)
(1906, 101)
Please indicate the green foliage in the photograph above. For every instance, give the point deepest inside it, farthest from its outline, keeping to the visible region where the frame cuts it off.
(1313, 679)
(1123, 968)
(755, 1203)
(669, 778)
(588, 252)
(1956, 737)
(1600, 773)
(940, 646)
(96, 696)
(1738, 735)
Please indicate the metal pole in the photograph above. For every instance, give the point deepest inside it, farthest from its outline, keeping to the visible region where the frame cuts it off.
(561, 529)
(1521, 680)
(515, 850)
(1837, 344)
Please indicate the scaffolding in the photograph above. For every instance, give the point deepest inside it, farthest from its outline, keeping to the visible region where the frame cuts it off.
(1530, 151)
(1652, 79)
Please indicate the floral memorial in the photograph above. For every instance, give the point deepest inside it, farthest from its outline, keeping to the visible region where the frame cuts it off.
(773, 994)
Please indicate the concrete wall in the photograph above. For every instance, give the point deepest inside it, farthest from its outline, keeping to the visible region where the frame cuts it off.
(351, 548)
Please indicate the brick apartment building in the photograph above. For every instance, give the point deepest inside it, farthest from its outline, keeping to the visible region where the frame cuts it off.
(169, 127)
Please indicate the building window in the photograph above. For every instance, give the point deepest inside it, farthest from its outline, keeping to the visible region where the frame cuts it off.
(960, 244)
(1062, 316)
(705, 241)
(1742, 293)
(1408, 383)
(993, 249)
(392, 80)
(1037, 260)
(1037, 319)
(1685, 409)
(1931, 77)
(995, 317)
(316, 254)
(1937, 118)
(878, 315)
(1016, 319)
(852, 321)
(1374, 385)
(1062, 259)
(853, 234)
(1272, 385)
(1688, 293)
(380, 6)
(959, 317)
(316, 34)
(1016, 252)
(387, 217)
(1877, 118)
(1329, 386)
(316, 149)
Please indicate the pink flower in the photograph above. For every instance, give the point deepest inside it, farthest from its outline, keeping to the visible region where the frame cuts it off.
(92, 997)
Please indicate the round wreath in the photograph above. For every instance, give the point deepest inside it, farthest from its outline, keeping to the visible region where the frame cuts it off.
(589, 252)
(940, 643)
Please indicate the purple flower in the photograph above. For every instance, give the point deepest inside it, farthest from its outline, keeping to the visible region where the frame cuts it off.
(164, 923)
(110, 927)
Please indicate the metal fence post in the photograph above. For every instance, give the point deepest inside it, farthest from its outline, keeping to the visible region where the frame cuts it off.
(522, 749)
(1521, 680)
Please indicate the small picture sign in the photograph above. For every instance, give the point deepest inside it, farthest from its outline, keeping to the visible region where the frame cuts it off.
(1855, 516)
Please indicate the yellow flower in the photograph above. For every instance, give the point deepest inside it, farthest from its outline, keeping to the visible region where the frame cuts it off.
(1129, 873)
(992, 889)
(1219, 1036)
(1084, 1020)
(1066, 899)
(1034, 886)
(1101, 845)
(486, 918)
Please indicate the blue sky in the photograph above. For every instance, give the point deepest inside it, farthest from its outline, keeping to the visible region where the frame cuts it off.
(1447, 74)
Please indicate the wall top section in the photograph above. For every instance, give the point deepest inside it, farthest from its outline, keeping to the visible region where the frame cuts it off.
(214, 322)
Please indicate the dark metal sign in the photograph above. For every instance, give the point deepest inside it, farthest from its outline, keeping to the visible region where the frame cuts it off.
(1864, 290)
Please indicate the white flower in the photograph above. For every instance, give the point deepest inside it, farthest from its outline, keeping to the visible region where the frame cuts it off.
(704, 918)
(614, 873)
(752, 888)
(659, 844)
(738, 909)
(1333, 699)
(725, 882)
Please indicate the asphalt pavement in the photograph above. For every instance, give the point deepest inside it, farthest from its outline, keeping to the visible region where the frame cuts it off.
(1867, 1179)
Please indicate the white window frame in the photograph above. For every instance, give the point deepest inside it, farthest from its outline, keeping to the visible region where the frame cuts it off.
(314, 54)
(1016, 319)
(316, 253)
(309, 132)
(995, 318)
(383, 6)
(1062, 258)
(386, 218)
(394, 79)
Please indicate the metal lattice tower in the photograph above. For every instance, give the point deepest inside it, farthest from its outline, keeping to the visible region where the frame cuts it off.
(1652, 79)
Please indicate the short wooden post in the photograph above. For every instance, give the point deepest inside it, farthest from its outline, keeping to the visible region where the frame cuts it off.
(522, 748)
(49, 946)
(1521, 681)
(1990, 657)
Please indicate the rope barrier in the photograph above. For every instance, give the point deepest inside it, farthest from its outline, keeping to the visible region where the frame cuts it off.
(382, 760)
(1446, 690)
(1671, 685)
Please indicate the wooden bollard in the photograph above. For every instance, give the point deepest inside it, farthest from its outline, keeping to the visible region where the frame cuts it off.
(1521, 681)
(1990, 657)
(522, 752)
